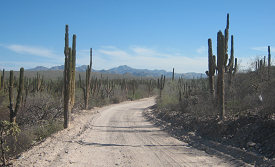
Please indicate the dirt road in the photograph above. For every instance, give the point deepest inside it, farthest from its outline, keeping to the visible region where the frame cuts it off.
(117, 135)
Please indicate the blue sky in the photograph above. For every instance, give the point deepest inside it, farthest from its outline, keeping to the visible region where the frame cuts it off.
(144, 34)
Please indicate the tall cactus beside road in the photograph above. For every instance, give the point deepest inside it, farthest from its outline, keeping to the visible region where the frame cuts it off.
(69, 72)
(222, 66)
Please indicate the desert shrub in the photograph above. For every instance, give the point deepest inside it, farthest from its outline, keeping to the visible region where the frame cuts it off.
(47, 128)
(79, 100)
(115, 100)
(40, 106)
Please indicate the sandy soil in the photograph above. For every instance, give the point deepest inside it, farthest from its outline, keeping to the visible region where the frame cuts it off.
(116, 135)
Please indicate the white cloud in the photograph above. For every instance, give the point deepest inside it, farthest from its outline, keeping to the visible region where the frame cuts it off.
(202, 50)
(108, 57)
(146, 58)
(263, 48)
(37, 51)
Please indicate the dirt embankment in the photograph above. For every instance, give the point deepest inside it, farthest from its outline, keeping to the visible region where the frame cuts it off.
(248, 138)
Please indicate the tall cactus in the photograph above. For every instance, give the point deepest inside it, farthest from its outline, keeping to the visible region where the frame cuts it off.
(73, 61)
(13, 112)
(211, 68)
(173, 75)
(222, 66)
(150, 85)
(86, 90)
(2, 80)
(109, 86)
(161, 83)
(68, 73)
(11, 94)
(269, 62)
(232, 70)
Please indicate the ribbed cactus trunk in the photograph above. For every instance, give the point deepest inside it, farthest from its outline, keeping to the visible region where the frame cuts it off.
(221, 71)
(67, 107)
(11, 94)
(211, 69)
(73, 61)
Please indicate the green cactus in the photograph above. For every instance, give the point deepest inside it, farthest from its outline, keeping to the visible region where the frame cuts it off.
(87, 88)
(67, 80)
(150, 85)
(2, 80)
(269, 62)
(73, 61)
(134, 85)
(11, 94)
(108, 86)
(173, 76)
(13, 112)
(211, 68)
(232, 70)
(222, 66)
(161, 83)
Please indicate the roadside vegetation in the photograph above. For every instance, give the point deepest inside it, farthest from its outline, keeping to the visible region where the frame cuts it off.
(234, 107)
(41, 112)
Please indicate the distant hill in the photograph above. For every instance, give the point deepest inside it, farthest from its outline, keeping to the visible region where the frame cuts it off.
(126, 70)
(38, 68)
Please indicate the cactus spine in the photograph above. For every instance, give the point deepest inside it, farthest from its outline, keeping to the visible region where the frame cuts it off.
(13, 112)
(161, 83)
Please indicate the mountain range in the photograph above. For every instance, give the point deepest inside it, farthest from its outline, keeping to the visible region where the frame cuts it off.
(126, 70)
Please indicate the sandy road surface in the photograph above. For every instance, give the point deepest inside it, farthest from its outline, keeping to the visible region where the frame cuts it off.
(117, 135)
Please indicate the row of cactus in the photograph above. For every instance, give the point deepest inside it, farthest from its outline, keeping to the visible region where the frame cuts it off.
(189, 87)
(261, 64)
(221, 66)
